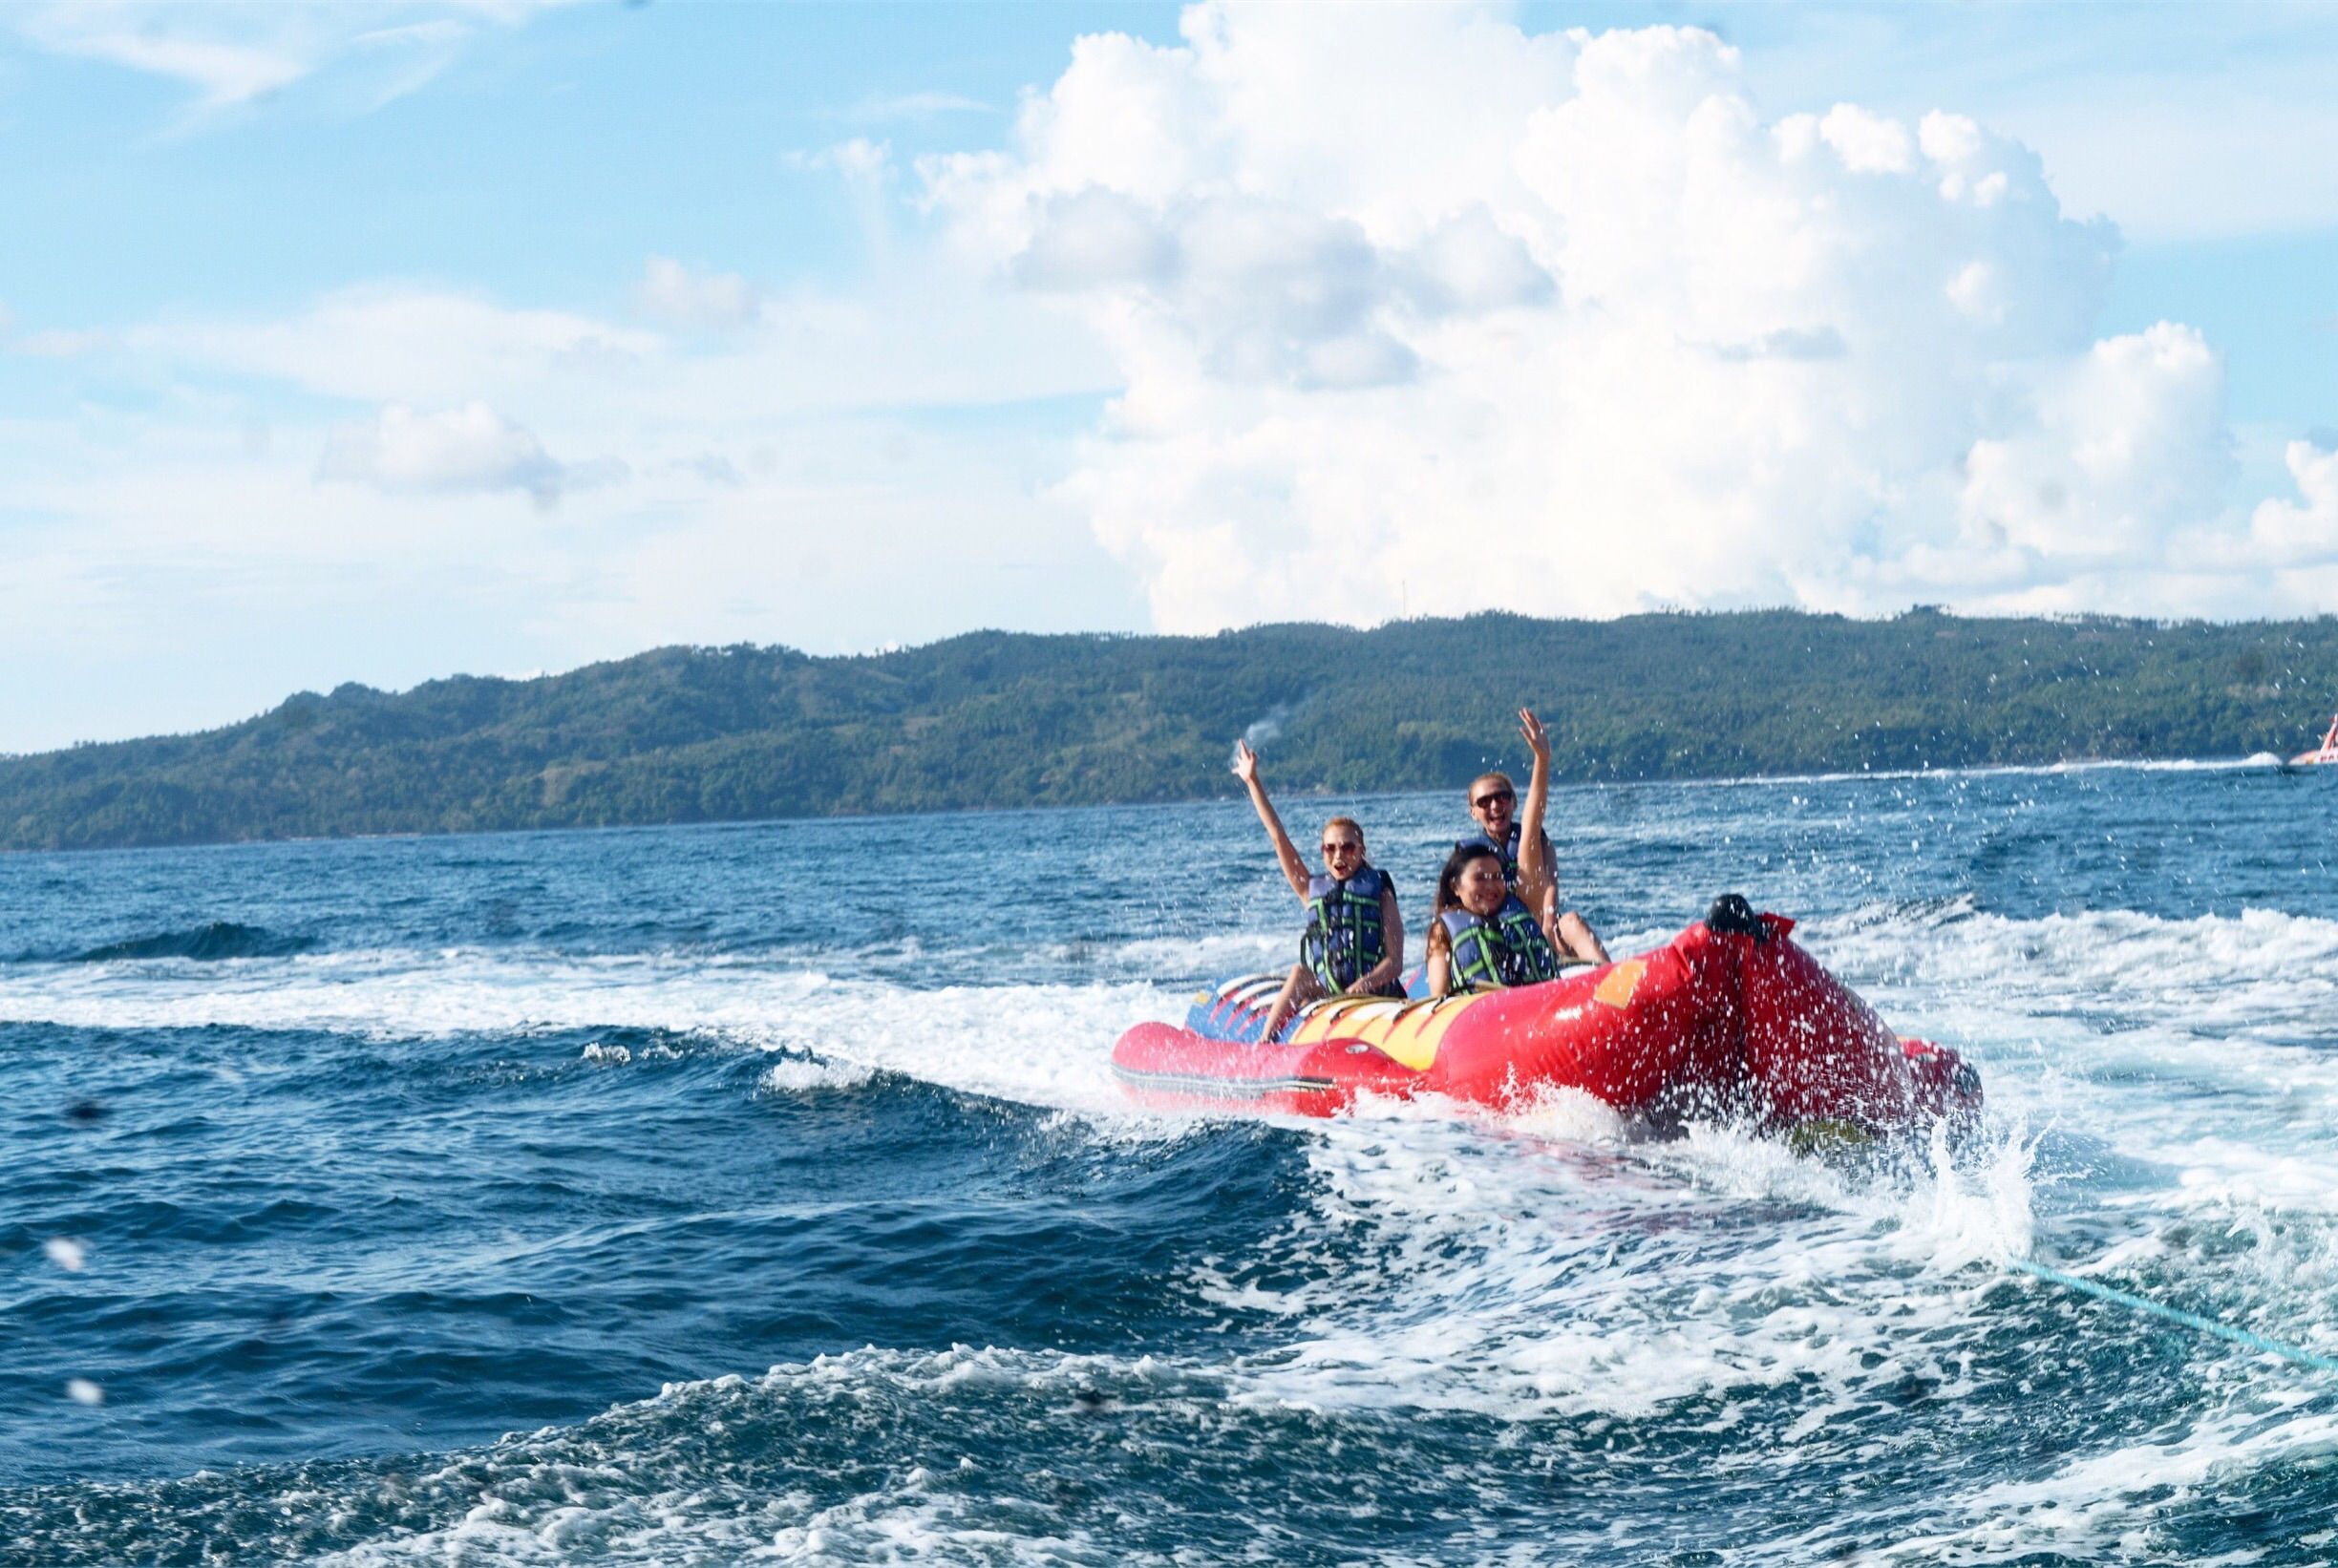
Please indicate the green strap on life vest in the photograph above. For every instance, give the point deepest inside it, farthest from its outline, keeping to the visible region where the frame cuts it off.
(1345, 938)
(1509, 949)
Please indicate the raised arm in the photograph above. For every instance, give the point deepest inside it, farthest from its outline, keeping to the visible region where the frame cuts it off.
(1294, 869)
(1536, 876)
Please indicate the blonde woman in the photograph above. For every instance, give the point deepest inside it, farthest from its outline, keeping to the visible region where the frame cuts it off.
(1354, 941)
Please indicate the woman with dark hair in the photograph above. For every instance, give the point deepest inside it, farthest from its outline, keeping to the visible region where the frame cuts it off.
(1354, 941)
(1483, 937)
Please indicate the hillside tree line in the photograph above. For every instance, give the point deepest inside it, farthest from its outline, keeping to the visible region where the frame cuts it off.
(997, 719)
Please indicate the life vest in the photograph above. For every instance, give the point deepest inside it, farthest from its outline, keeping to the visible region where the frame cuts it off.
(1345, 939)
(1508, 949)
(1508, 850)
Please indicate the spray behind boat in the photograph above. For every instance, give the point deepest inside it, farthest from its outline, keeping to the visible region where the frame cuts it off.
(1815, 1051)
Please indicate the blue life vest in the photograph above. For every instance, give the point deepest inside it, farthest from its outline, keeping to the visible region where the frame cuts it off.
(1509, 949)
(1345, 939)
(1508, 850)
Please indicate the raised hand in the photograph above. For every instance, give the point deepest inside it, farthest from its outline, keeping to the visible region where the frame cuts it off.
(1536, 875)
(1538, 738)
(1286, 853)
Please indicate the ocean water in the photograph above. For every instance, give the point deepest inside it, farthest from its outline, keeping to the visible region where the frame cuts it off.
(762, 1193)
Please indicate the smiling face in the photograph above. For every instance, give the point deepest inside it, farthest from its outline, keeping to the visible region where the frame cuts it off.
(1494, 802)
(1343, 848)
(1482, 887)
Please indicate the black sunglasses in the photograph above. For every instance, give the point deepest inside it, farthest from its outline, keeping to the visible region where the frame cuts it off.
(1484, 802)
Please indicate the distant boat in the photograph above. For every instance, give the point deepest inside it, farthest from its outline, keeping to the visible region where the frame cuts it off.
(2327, 752)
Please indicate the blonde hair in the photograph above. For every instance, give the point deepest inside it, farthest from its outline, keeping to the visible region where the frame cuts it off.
(1503, 779)
(1350, 823)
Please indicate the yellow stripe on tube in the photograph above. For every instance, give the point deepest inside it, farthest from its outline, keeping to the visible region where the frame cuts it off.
(1343, 1018)
(1408, 1032)
(1413, 1040)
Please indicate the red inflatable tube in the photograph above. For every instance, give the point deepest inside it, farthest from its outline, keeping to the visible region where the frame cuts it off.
(1735, 1022)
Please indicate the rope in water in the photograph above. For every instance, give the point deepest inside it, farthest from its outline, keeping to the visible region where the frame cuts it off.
(2176, 1315)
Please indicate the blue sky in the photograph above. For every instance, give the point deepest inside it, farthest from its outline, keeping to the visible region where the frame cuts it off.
(381, 341)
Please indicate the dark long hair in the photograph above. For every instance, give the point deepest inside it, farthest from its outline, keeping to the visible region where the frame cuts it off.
(1449, 880)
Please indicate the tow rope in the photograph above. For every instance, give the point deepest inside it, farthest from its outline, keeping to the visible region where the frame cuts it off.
(2174, 1314)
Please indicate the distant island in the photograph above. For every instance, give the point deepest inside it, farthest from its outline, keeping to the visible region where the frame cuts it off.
(998, 719)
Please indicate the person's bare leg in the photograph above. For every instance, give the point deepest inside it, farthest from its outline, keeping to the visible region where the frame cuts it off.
(1575, 938)
(1299, 989)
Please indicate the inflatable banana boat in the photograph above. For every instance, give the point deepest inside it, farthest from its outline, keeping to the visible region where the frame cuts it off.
(1731, 1018)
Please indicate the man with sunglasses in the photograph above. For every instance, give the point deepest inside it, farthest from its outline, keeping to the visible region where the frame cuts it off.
(1354, 941)
(1527, 857)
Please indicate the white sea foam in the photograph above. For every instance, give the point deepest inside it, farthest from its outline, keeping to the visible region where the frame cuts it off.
(1451, 1266)
(1542, 1265)
(1040, 1045)
(2200, 1045)
(1217, 954)
(2132, 765)
(657, 1481)
(1525, 1308)
(2095, 1021)
(803, 1075)
(2104, 1506)
(648, 1482)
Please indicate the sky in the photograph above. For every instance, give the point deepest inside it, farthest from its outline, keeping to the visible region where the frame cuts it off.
(379, 341)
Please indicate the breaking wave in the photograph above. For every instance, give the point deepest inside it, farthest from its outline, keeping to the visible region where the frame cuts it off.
(211, 943)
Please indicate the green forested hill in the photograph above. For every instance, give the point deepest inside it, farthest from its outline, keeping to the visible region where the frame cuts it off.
(998, 719)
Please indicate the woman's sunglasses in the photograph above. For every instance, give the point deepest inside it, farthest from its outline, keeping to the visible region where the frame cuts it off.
(1485, 802)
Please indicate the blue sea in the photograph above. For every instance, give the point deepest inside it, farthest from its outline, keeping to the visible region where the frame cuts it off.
(762, 1193)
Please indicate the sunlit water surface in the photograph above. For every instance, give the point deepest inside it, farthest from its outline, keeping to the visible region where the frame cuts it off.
(716, 1194)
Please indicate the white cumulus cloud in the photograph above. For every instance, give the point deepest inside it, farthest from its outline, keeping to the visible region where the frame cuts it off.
(2119, 446)
(467, 448)
(1417, 310)
(2304, 531)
